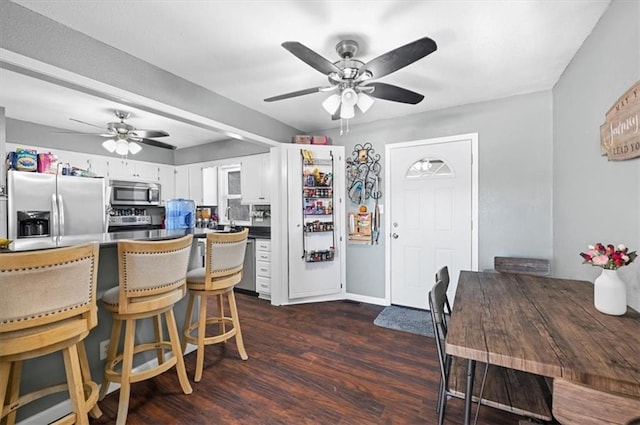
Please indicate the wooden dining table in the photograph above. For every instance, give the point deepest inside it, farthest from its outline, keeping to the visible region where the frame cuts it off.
(545, 326)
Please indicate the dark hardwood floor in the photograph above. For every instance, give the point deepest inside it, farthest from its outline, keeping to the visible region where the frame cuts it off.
(324, 363)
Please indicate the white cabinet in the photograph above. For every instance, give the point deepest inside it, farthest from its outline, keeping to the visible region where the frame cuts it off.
(255, 179)
(263, 268)
(210, 186)
(181, 180)
(167, 182)
(125, 169)
(195, 183)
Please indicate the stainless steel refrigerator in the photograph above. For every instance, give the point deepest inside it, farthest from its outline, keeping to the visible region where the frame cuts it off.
(54, 205)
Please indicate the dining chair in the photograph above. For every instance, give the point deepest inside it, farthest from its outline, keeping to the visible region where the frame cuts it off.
(501, 388)
(48, 305)
(152, 278)
(222, 271)
(443, 275)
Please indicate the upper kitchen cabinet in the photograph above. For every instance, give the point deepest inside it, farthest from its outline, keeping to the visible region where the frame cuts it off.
(195, 183)
(189, 182)
(167, 182)
(133, 170)
(210, 186)
(181, 181)
(255, 179)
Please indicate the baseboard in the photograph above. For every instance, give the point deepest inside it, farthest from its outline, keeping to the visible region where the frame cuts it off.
(63, 408)
(366, 299)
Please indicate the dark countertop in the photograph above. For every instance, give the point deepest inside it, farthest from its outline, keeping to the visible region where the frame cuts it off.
(111, 239)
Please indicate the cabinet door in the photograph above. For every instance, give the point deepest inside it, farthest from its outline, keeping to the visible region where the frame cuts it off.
(121, 169)
(182, 182)
(255, 179)
(146, 171)
(195, 183)
(210, 186)
(99, 165)
(167, 182)
(267, 178)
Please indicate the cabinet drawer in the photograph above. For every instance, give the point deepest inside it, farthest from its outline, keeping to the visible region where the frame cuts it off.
(263, 245)
(263, 285)
(263, 256)
(263, 269)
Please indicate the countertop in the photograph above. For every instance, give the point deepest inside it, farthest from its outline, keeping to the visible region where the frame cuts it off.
(111, 239)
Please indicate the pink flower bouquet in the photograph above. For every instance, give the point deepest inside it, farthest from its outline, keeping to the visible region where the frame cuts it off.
(608, 257)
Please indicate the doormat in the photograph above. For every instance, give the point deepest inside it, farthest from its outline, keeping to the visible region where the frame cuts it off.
(406, 319)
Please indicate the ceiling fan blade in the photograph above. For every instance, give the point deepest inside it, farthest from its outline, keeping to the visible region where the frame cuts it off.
(294, 94)
(84, 134)
(155, 143)
(148, 133)
(399, 58)
(394, 93)
(87, 123)
(311, 58)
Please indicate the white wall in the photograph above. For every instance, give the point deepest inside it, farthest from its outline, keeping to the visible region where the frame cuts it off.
(596, 200)
(515, 182)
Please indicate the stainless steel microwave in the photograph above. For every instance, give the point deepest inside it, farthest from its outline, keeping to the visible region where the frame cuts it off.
(134, 193)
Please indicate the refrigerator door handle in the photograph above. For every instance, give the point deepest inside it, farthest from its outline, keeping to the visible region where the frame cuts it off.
(61, 212)
(53, 226)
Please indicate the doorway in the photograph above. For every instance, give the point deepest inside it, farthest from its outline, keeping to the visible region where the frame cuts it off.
(432, 215)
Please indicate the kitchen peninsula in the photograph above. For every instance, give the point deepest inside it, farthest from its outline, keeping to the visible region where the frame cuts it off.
(48, 370)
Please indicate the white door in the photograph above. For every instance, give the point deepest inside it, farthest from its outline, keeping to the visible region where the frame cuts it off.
(430, 217)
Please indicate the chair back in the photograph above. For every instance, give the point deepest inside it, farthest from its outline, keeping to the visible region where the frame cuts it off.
(225, 259)
(152, 273)
(437, 300)
(41, 289)
(535, 266)
(443, 276)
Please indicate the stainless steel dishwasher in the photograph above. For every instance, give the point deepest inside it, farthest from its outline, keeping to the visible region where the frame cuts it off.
(248, 281)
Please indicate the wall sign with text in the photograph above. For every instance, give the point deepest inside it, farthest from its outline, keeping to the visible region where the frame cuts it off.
(620, 134)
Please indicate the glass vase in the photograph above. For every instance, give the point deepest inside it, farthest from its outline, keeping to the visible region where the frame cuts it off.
(610, 293)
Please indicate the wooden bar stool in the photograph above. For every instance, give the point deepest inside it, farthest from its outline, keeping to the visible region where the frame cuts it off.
(152, 279)
(222, 271)
(48, 304)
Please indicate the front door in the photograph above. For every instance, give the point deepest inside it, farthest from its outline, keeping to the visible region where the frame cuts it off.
(430, 216)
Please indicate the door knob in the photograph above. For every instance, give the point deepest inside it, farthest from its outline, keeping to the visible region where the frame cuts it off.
(395, 236)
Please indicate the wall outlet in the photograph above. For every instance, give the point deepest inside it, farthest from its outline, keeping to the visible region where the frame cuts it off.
(104, 347)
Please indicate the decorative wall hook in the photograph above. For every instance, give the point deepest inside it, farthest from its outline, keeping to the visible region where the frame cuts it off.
(363, 174)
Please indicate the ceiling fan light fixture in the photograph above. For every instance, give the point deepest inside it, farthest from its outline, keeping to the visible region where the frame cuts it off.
(109, 145)
(134, 148)
(331, 104)
(347, 111)
(349, 97)
(364, 102)
(122, 147)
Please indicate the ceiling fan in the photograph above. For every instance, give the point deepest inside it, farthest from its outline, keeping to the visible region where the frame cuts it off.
(127, 135)
(350, 77)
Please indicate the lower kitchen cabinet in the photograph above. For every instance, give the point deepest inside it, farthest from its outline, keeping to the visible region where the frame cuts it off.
(263, 268)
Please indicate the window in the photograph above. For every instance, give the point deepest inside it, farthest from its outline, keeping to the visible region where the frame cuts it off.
(429, 167)
(230, 208)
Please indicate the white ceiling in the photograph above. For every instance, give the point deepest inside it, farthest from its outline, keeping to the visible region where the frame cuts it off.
(486, 50)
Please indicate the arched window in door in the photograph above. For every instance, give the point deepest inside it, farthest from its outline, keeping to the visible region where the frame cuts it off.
(430, 167)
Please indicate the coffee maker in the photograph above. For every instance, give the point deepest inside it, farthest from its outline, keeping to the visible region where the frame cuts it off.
(33, 224)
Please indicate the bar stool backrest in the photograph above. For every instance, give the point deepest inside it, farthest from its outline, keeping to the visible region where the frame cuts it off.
(42, 288)
(225, 258)
(152, 273)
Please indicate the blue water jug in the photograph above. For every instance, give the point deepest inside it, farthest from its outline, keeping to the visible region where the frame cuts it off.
(180, 214)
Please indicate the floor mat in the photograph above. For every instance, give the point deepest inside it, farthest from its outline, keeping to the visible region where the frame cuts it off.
(405, 319)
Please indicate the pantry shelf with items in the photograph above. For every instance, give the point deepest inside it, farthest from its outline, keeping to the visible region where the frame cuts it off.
(318, 242)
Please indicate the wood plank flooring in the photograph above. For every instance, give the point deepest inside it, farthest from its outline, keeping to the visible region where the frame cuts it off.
(324, 363)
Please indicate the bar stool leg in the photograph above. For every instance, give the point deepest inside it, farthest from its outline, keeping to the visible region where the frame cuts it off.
(175, 347)
(221, 315)
(5, 370)
(236, 324)
(127, 365)
(116, 329)
(75, 384)
(95, 411)
(187, 321)
(157, 327)
(14, 391)
(202, 326)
